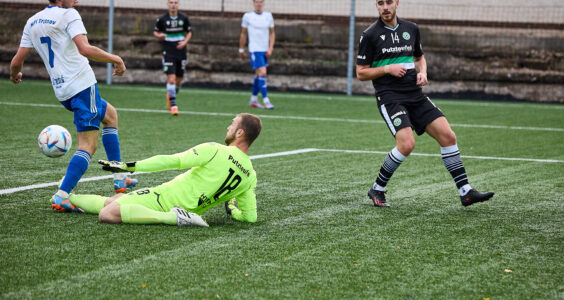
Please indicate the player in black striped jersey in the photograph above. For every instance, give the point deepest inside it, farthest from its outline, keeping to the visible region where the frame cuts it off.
(390, 54)
(174, 31)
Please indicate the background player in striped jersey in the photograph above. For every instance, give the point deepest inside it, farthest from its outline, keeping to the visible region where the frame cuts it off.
(174, 31)
(390, 55)
(258, 25)
(218, 174)
(59, 37)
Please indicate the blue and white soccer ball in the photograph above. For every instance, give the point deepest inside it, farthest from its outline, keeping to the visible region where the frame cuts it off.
(54, 141)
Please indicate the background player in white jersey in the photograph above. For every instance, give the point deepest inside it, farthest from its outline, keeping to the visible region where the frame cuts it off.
(258, 25)
(174, 31)
(390, 55)
(59, 37)
(218, 174)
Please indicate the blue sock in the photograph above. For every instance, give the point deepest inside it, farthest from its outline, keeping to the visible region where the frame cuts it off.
(77, 166)
(262, 87)
(171, 89)
(111, 143)
(255, 86)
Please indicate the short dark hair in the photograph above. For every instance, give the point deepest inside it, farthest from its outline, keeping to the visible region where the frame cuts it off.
(252, 126)
(52, 1)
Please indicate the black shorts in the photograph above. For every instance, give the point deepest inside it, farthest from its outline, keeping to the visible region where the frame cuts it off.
(416, 112)
(174, 64)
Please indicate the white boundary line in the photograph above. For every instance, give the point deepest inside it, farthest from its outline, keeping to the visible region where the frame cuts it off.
(216, 114)
(328, 97)
(43, 185)
(285, 153)
(337, 97)
(438, 155)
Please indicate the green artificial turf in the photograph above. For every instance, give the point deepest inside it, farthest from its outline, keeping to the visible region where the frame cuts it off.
(317, 235)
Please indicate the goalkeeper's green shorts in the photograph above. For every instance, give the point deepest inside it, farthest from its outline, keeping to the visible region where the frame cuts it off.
(149, 197)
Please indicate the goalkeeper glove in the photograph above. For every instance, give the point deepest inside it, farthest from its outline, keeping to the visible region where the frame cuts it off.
(117, 166)
(230, 205)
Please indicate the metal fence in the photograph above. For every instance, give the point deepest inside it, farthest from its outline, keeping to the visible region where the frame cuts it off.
(539, 11)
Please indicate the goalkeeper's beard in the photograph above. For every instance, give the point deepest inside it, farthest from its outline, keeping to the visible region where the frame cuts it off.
(229, 139)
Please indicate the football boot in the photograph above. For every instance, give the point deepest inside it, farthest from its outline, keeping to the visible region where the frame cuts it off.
(255, 104)
(474, 196)
(63, 205)
(186, 218)
(121, 185)
(174, 110)
(378, 198)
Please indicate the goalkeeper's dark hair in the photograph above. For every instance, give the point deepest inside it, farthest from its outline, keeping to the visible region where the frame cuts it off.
(52, 1)
(252, 125)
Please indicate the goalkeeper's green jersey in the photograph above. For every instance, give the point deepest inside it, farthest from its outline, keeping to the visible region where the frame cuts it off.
(218, 173)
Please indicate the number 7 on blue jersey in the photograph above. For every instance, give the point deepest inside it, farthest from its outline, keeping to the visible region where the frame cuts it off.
(47, 40)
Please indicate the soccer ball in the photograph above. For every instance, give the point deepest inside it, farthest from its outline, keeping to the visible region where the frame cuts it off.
(54, 141)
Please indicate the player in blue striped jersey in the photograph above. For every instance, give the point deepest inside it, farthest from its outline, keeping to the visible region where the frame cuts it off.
(390, 54)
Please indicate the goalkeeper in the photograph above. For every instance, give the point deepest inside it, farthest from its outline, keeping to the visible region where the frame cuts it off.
(218, 174)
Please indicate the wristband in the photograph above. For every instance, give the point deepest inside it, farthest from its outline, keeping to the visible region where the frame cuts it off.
(241, 50)
(387, 69)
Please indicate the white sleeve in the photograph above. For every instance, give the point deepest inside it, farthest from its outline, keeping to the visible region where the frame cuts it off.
(271, 22)
(245, 22)
(74, 23)
(26, 38)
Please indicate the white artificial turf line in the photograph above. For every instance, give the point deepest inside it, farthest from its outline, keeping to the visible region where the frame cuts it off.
(292, 152)
(302, 118)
